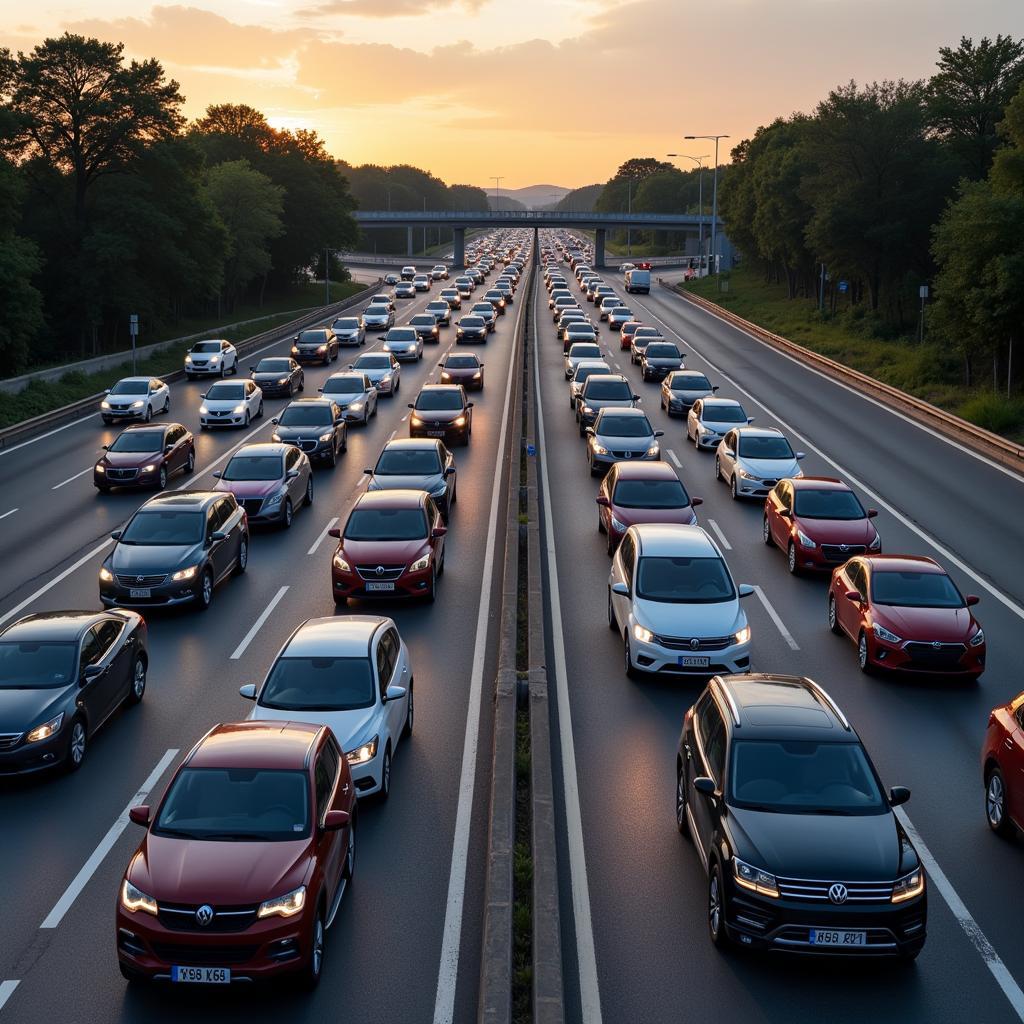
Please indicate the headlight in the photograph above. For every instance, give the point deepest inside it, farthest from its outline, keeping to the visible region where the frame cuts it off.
(215, 360)
(188, 359)
(755, 879)
(284, 906)
(133, 899)
(295, 350)
(150, 468)
(281, 383)
(46, 730)
(386, 379)
(327, 436)
(909, 886)
(445, 375)
(616, 525)
(476, 376)
(322, 348)
(587, 410)
(883, 634)
(105, 574)
(460, 421)
(386, 347)
(978, 639)
(642, 634)
(599, 449)
(356, 406)
(104, 404)
(805, 540)
(420, 563)
(203, 410)
(100, 468)
(416, 420)
(363, 754)
(273, 500)
(185, 574)
(742, 636)
(238, 410)
(138, 405)
(341, 565)
(876, 544)
(743, 473)
(654, 449)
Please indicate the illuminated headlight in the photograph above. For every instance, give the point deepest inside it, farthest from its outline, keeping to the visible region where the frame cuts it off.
(599, 449)
(386, 379)
(104, 404)
(238, 410)
(876, 544)
(276, 438)
(327, 436)
(106, 576)
(420, 563)
(616, 525)
(883, 634)
(587, 410)
(188, 359)
(742, 636)
(363, 754)
(341, 565)
(387, 347)
(215, 360)
(273, 500)
(755, 879)
(460, 421)
(909, 886)
(295, 350)
(642, 634)
(445, 375)
(805, 540)
(978, 639)
(203, 410)
(477, 375)
(100, 468)
(133, 899)
(284, 906)
(322, 348)
(281, 383)
(185, 574)
(356, 406)
(46, 730)
(150, 468)
(653, 450)
(138, 405)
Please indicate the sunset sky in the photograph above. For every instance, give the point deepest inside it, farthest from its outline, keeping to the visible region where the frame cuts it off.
(554, 91)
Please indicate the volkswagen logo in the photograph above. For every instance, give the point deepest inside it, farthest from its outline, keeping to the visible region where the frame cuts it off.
(204, 915)
(380, 570)
(694, 644)
(837, 893)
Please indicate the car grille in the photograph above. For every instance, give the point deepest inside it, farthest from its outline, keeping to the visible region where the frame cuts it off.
(930, 655)
(306, 446)
(203, 955)
(219, 412)
(122, 474)
(628, 454)
(369, 572)
(252, 506)
(9, 740)
(127, 580)
(181, 917)
(711, 643)
(841, 552)
(810, 890)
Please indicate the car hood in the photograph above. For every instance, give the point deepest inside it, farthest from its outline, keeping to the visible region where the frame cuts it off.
(130, 460)
(242, 489)
(350, 728)
(376, 318)
(345, 399)
(690, 396)
(376, 373)
(837, 531)
(946, 624)
(270, 378)
(400, 346)
(854, 848)
(673, 361)
(428, 482)
(312, 430)
(384, 552)
(720, 426)
(222, 404)
(21, 710)
(352, 332)
(702, 620)
(462, 373)
(632, 516)
(151, 559)
(625, 444)
(438, 415)
(770, 468)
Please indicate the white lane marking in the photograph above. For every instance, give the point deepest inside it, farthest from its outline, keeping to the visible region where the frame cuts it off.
(49, 433)
(973, 932)
(392, 437)
(448, 970)
(79, 882)
(1004, 599)
(258, 624)
(57, 487)
(675, 458)
(6, 991)
(586, 957)
(722, 539)
(618, 367)
(405, 417)
(6, 514)
(776, 618)
(316, 543)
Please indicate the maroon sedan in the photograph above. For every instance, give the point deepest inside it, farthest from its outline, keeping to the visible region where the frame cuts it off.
(819, 522)
(1002, 767)
(634, 492)
(145, 456)
(904, 612)
(244, 864)
(392, 546)
(463, 368)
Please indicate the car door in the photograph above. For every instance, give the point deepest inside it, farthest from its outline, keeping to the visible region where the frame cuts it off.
(693, 419)
(296, 487)
(330, 847)
(178, 455)
(100, 692)
(434, 521)
(708, 760)
(849, 609)
(727, 461)
(394, 711)
(622, 569)
(780, 501)
(1012, 757)
(606, 490)
(217, 550)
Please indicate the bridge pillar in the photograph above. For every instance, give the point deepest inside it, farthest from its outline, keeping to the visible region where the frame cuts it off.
(460, 248)
(408, 241)
(599, 248)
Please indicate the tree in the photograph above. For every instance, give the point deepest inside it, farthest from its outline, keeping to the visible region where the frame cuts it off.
(238, 122)
(21, 308)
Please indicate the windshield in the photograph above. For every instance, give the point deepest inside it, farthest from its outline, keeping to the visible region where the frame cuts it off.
(659, 350)
(484, 309)
(648, 332)
(226, 393)
(318, 684)
(760, 447)
(690, 384)
(915, 590)
(438, 307)
(583, 350)
(236, 804)
(702, 580)
(273, 366)
(650, 494)
(422, 320)
(36, 665)
(254, 467)
(400, 334)
(408, 462)
(624, 426)
(344, 386)
(312, 337)
(377, 311)
(138, 441)
(165, 526)
(306, 416)
(583, 372)
(346, 323)
(435, 400)
(827, 505)
(130, 387)
(471, 321)
(206, 346)
(605, 390)
(803, 777)
(386, 524)
(723, 414)
(462, 363)
(372, 363)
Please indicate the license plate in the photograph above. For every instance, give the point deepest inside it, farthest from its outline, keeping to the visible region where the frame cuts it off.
(202, 975)
(693, 661)
(435, 433)
(141, 592)
(837, 937)
(380, 586)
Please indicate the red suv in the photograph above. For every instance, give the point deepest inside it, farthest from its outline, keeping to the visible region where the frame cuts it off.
(244, 864)
(819, 522)
(1002, 767)
(903, 612)
(145, 456)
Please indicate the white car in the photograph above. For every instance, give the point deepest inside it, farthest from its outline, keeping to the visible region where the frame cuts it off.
(421, 282)
(710, 419)
(214, 357)
(135, 398)
(353, 674)
(378, 318)
(439, 272)
(675, 604)
(382, 369)
(578, 352)
(231, 404)
(752, 460)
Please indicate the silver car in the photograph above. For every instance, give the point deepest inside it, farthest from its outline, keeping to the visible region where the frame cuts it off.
(709, 419)
(752, 460)
(349, 330)
(354, 395)
(612, 391)
(441, 311)
(382, 369)
(378, 318)
(579, 351)
(404, 343)
(621, 435)
(680, 389)
(418, 464)
(584, 369)
(619, 315)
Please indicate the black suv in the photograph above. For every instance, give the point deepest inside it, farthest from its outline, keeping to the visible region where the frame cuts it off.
(799, 840)
(316, 425)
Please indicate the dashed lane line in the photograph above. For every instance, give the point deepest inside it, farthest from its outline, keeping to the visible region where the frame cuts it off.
(316, 543)
(258, 624)
(722, 539)
(776, 618)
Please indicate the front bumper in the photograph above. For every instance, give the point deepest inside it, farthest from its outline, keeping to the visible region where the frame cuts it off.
(657, 372)
(314, 449)
(652, 656)
(405, 355)
(123, 414)
(384, 387)
(203, 370)
(610, 457)
(409, 584)
(446, 431)
(923, 658)
(311, 355)
(275, 390)
(228, 419)
(27, 758)
(709, 441)
(163, 595)
(136, 478)
(752, 487)
(468, 337)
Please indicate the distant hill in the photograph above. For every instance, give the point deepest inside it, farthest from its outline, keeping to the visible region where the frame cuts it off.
(503, 202)
(579, 200)
(532, 197)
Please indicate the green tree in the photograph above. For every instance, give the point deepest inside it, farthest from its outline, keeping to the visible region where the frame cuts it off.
(21, 307)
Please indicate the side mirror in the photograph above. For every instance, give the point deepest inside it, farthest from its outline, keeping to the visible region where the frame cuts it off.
(438, 531)
(116, 535)
(714, 387)
(705, 785)
(853, 595)
(334, 532)
(745, 590)
(729, 453)
(972, 599)
(603, 501)
(411, 406)
(202, 394)
(394, 692)
(368, 471)
(335, 820)
(291, 474)
(320, 390)
(106, 391)
(139, 815)
(469, 405)
(750, 419)
(621, 589)
(274, 421)
(481, 364)
(105, 447)
(898, 795)
(217, 474)
(637, 398)
(659, 433)
(801, 455)
(168, 448)
(248, 691)
(872, 512)
(694, 502)
(449, 471)
(92, 672)
(218, 535)
(252, 369)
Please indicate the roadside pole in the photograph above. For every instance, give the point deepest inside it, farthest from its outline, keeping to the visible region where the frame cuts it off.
(133, 330)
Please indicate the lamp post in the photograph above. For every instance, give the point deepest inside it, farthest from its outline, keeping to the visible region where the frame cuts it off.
(629, 212)
(714, 200)
(497, 179)
(699, 161)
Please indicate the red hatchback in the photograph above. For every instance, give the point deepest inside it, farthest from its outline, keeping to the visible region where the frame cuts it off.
(626, 332)
(819, 522)
(649, 492)
(243, 865)
(392, 546)
(903, 612)
(145, 456)
(1002, 767)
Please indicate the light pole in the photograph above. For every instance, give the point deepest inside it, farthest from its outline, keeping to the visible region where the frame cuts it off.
(629, 212)
(714, 200)
(497, 178)
(699, 161)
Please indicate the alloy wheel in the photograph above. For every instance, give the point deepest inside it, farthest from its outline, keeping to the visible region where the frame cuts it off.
(833, 617)
(766, 531)
(317, 953)
(409, 714)
(309, 490)
(350, 853)
(162, 478)
(191, 463)
(243, 556)
(138, 689)
(385, 774)
(288, 513)
(77, 745)
(681, 822)
(715, 905)
(995, 804)
(862, 653)
(206, 590)
(791, 558)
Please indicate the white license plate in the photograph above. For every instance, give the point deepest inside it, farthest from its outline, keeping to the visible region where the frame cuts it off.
(202, 975)
(693, 661)
(435, 433)
(141, 592)
(380, 586)
(837, 937)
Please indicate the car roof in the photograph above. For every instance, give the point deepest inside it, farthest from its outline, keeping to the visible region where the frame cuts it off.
(412, 444)
(905, 563)
(334, 636)
(400, 497)
(309, 401)
(759, 432)
(183, 500)
(644, 471)
(122, 380)
(344, 374)
(141, 428)
(711, 403)
(57, 625)
(674, 539)
(255, 744)
(613, 411)
(690, 374)
(819, 483)
(261, 448)
(784, 707)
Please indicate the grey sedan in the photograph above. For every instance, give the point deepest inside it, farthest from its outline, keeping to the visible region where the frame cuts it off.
(404, 343)
(354, 394)
(419, 464)
(618, 435)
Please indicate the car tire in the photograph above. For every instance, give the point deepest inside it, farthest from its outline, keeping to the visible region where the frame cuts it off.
(718, 468)
(696, 442)
(308, 499)
(167, 404)
(205, 596)
(190, 462)
(259, 411)
(103, 488)
(242, 562)
(996, 802)
(733, 492)
(137, 688)
(385, 775)
(291, 389)
(590, 463)
(863, 656)
(161, 480)
(107, 420)
(149, 414)
(766, 531)
(600, 523)
(302, 382)
(287, 514)
(833, 617)
(333, 460)
(314, 967)
(431, 594)
(223, 370)
(716, 908)
(631, 671)
(78, 744)
(681, 823)
(610, 543)
(132, 977)
(409, 714)
(791, 562)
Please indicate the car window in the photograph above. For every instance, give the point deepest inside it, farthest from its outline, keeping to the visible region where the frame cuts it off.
(392, 645)
(628, 550)
(383, 665)
(92, 649)
(712, 736)
(1020, 716)
(108, 632)
(858, 580)
(291, 458)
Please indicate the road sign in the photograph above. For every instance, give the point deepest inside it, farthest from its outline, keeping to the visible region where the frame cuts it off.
(133, 324)
(923, 291)
(844, 286)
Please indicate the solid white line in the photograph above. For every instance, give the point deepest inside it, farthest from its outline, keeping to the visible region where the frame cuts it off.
(448, 970)
(57, 487)
(777, 619)
(49, 433)
(6, 514)
(79, 882)
(973, 932)
(6, 991)
(257, 625)
(586, 957)
(675, 458)
(392, 437)
(720, 535)
(316, 543)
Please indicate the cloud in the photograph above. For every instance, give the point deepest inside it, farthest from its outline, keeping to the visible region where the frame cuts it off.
(388, 8)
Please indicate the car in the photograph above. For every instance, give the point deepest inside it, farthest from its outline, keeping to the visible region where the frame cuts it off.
(905, 614)
(439, 272)
(442, 410)
(421, 282)
(230, 404)
(561, 305)
(606, 391)
(382, 299)
(270, 482)
(426, 327)
(404, 343)
(408, 273)
(475, 274)
(174, 550)
(355, 396)
(669, 586)
(1002, 767)
(383, 370)
(315, 345)
(486, 311)
(709, 419)
(626, 332)
(440, 311)
(506, 289)
(497, 300)
(278, 376)
(642, 337)
(351, 674)
(592, 286)
(579, 351)
(584, 369)
(452, 297)
(798, 838)
(681, 388)
(62, 675)
(819, 522)
(471, 328)
(620, 434)
(145, 456)
(559, 293)
(392, 545)
(463, 368)
(659, 359)
(752, 460)
(617, 316)
(135, 398)
(317, 426)
(465, 286)
(391, 279)
(405, 290)
(213, 356)
(642, 492)
(245, 861)
(349, 330)
(600, 294)
(577, 332)
(418, 464)
(378, 318)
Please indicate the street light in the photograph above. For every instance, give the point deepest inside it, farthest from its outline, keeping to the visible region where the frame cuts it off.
(497, 179)
(699, 161)
(714, 200)
(629, 212)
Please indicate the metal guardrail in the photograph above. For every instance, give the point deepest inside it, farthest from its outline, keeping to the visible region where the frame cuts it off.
(57, 417)
(995, 447)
